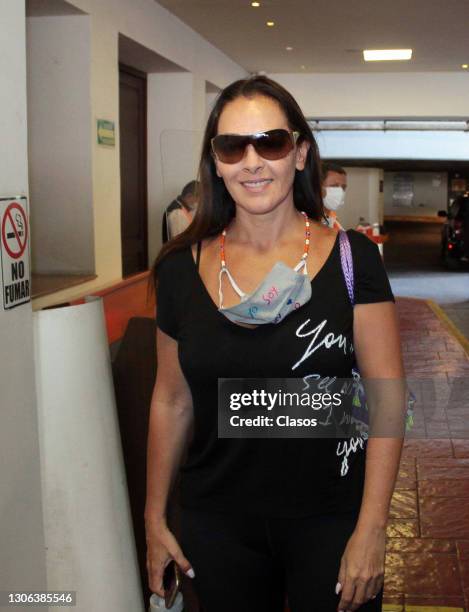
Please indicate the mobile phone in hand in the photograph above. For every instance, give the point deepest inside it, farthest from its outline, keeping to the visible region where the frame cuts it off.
(171, 583)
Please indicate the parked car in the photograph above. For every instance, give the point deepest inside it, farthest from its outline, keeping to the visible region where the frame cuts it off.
(455, 233)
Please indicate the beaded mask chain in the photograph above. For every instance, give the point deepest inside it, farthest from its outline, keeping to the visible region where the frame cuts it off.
(303, 257)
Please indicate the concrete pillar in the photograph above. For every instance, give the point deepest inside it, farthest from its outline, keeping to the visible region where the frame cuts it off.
(22, 554)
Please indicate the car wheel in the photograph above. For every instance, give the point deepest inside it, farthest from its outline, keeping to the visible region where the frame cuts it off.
(443, 252)
(451, 263)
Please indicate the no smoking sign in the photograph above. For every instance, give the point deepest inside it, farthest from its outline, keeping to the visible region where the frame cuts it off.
(14, 242)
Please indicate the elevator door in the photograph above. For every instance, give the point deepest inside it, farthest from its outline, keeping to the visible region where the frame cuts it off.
(133, 162)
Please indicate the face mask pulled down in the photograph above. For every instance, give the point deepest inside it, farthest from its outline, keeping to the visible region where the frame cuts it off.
(281, 292)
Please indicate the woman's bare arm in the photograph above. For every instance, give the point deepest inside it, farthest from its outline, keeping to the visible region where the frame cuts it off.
(377, 346)
(171, 417)
(378, 351)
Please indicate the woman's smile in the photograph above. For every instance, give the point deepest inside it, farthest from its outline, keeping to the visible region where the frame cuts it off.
(256, 185)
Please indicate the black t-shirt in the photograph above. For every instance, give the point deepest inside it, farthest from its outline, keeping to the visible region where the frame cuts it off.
(271, 477)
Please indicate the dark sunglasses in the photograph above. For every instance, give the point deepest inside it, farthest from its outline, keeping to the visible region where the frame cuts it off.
(271, 145)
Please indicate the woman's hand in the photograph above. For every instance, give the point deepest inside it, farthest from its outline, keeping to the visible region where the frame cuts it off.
(161, 548)
(361, 574)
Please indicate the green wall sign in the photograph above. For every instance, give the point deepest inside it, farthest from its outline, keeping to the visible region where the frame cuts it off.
(106, 133)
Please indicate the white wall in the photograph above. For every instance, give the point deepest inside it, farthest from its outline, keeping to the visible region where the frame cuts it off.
(363, 197)
(105, 160)
(430, 191)
(22, 554)
(59, 117)
(210, 99)
(152, 26)
(176, 117)
(391, 94)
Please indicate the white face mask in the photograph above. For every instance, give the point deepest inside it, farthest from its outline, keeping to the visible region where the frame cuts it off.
(335, 198)
(281, 292)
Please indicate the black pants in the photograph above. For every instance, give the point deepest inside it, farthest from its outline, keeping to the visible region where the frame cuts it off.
(246, 564)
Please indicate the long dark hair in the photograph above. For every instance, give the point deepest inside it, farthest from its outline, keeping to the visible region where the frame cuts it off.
(216, 207)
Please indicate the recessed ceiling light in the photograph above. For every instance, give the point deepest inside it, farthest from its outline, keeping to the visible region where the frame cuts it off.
(289, 48)
(464, 66)
(271, 24)
(381, 55)
(255, 4)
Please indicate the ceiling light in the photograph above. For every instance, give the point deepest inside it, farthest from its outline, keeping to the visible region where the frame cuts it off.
(380, 55)
(303, 67)
(255, 4)
(289, 48)
(271, 24)
(464, 66)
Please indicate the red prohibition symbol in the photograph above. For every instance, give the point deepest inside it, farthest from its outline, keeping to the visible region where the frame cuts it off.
(18, 232)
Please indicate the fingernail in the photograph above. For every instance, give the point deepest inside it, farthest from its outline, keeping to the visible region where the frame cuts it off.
(338, 588)
(190, 573)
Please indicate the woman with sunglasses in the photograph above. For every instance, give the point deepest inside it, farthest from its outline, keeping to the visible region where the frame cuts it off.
(254, 289)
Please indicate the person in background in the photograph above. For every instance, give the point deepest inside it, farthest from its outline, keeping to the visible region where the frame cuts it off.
(179, 214)
(334, 186)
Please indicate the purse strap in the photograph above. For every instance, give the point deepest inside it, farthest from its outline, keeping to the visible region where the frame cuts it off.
(346, 262)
